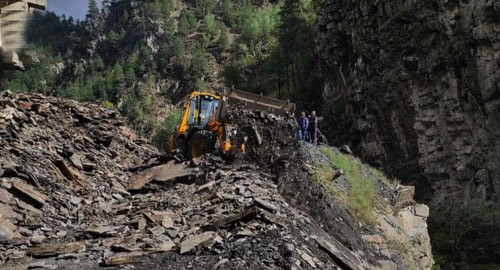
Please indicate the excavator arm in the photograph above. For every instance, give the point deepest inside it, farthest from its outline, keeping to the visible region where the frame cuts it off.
(259, 102)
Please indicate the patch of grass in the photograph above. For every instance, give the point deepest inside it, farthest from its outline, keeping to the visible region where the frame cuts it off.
(362, 197)
(379, 175)
(324, 175)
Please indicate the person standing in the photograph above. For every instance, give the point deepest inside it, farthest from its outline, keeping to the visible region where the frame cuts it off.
(313, 128)
(303, 124)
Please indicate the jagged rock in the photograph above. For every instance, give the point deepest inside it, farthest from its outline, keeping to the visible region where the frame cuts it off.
(166, 246)
(340, 253)
(4, 196)
(206, 186)
(167, 221)
(28, 209)
(192, 242)
(306, 257)
(234, 217)
(67, 171)
(288, 249)
(124, 258)
(158, 230)
(266, 205)
(76, 160)
(337, 174)
(376, 239)
(422, 210)
(37, 197)
(48, 250)
(42, 265)
(405, 196)
(8, 231)
(345, 149)
(37, 239)
(161, 173)
(308, 168)
(61, 234)
(141, 224)
(272, 218)
(14, 254)
(7, 212)
(75, 200)
(103, 230)
(220, 263)
(389, 265)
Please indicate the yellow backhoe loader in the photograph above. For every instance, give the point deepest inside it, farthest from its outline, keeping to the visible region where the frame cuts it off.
(205, 127)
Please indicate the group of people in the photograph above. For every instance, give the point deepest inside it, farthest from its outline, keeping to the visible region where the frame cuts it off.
(308, 129)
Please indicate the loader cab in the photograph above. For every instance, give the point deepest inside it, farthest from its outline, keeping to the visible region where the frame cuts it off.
(201, 110)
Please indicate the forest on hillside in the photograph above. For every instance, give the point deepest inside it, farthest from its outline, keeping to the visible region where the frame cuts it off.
(140, 55)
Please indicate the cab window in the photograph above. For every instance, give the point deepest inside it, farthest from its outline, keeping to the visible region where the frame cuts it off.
(193, 111)
(207, 108)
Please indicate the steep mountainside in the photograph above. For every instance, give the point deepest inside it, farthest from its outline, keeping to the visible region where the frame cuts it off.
(79, 190)
(414, 87)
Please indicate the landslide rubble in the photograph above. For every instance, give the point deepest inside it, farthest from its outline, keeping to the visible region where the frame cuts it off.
(78, 190)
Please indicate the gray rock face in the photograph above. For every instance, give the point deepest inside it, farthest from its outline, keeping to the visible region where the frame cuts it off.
(414, 87)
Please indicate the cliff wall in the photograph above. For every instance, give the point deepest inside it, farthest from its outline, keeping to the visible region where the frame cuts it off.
(414, 88)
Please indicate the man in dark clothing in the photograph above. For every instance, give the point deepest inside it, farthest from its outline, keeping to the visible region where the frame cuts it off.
(313, 126)
(303, 124)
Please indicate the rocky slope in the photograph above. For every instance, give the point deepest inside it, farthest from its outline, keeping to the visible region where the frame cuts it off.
(414, 87)
(79, 190)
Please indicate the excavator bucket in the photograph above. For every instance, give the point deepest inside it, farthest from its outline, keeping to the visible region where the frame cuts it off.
(259, 102)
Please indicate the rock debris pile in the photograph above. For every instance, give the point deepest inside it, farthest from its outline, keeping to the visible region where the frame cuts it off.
(63, 172)
(80, 190)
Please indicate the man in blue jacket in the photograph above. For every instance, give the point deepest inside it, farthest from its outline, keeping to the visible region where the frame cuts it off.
(303, 125)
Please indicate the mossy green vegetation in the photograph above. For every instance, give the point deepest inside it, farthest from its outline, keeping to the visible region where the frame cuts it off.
(324, 175)
(466, 235)
(163, 132)
(360, 193)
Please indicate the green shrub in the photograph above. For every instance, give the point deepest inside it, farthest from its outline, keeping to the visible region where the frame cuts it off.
(210, 24)
(164, 131)
(205, 6)
(362, 197)
(108, 104)
(464, 235)
(187, 23)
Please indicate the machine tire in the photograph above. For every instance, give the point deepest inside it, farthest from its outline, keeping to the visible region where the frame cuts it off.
(202, 142)
(182, 145)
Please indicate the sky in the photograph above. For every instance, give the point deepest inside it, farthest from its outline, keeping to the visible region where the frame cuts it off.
(75, 8)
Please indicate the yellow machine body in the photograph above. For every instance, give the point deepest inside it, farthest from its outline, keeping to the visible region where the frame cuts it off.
(201, 128)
